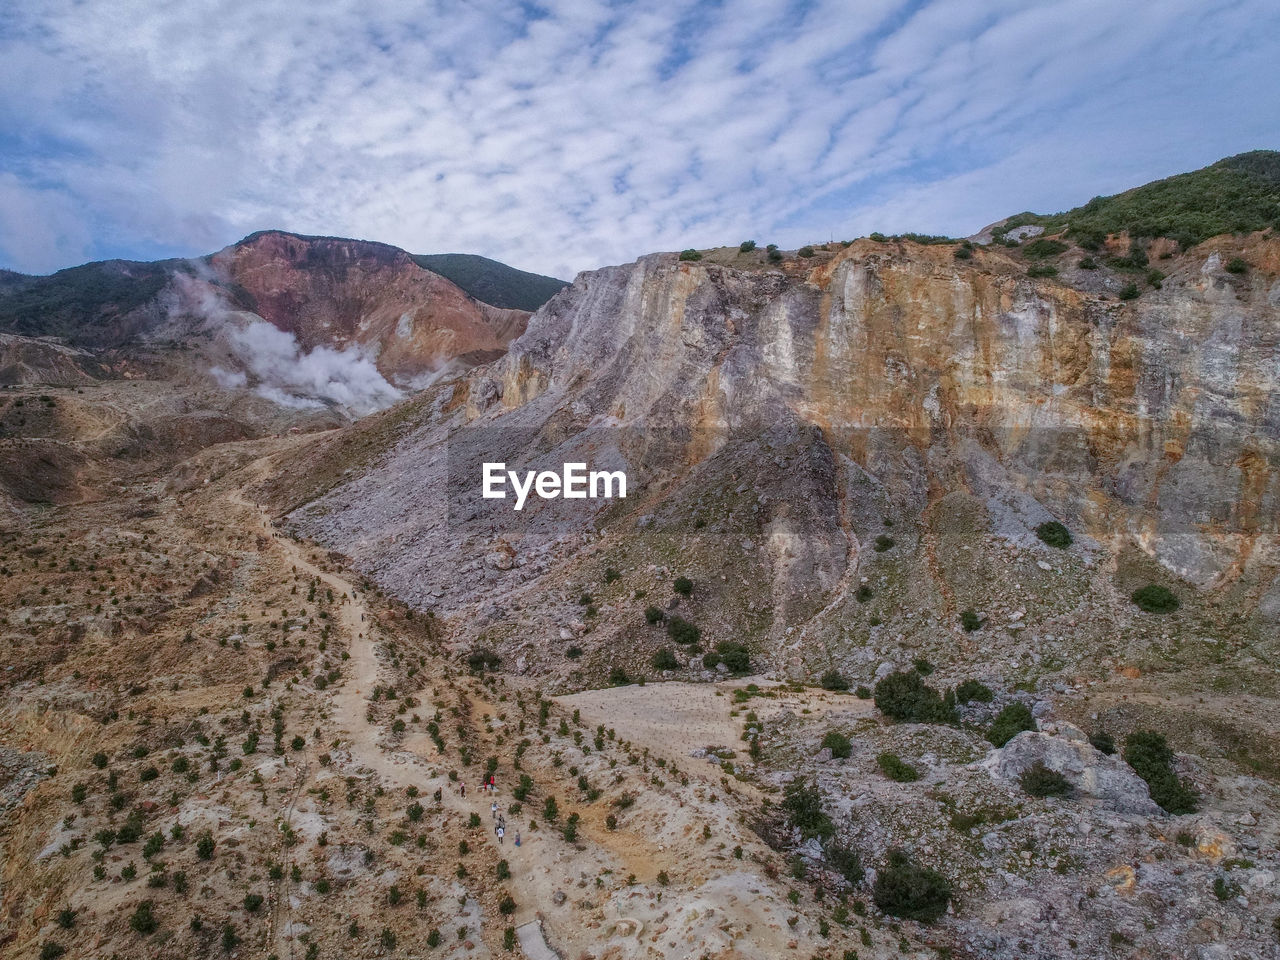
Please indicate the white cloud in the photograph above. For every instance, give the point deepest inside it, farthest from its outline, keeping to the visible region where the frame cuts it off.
(601, 131)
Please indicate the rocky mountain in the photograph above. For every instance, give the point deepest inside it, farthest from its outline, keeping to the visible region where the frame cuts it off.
(321, 291)
(880, 414)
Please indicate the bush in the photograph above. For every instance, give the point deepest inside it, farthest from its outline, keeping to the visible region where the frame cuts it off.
(1147, 752)
(863, 692)
(734, 656)
(775, 255)
(51, 950)
(1043, 247)
(964, 253)
(1154, 598)
(611, 574)
(665, 659)
(805, 251)
(882, 543)
(1039, 781)
(690, 254)
(971, 690)
(683, 586)
(746, 246)
(653, 615)
(1009, 722)
(922, 666)
(1088, 263)
(1237, 265)
(482, 659)
(1054, 534)
(845, 862)
(905, 696)
(906, 889)
(205, 846)
(969, 620)
(1130, 292)
(896, 769)
(834, 680)
(682, 631)
(252, 901)
(803, 805)
(1155, 278)
(1103, 742)
(618, 677)
(838, 744)
(229, 938)
(144, 919)
(863, 594)
(1042, 270)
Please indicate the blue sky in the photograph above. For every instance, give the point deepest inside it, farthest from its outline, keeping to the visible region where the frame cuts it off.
(563, 135)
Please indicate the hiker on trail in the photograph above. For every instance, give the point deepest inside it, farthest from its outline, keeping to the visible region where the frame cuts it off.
(493, 808)
(462, 789)
(501, 832)
(517, 838)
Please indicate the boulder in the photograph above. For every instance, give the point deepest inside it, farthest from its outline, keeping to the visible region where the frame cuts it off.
(1090, 772)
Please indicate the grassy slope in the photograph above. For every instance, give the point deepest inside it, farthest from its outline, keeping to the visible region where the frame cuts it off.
(492, 282)
(1237, 195)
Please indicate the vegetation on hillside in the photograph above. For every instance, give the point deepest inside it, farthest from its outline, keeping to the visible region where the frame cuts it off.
(59, 304)
(1237, 195)
(492, 282)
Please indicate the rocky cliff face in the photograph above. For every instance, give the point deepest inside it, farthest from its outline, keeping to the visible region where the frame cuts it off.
(334, 292)
(885, 422)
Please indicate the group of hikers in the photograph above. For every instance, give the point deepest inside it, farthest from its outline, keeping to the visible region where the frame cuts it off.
(490, 785)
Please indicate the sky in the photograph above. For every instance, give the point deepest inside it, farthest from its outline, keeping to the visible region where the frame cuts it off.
(565, 135)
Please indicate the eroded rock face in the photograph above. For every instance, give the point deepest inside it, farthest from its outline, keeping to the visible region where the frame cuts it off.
(1091, 773)
(887, 401)
(335, 292)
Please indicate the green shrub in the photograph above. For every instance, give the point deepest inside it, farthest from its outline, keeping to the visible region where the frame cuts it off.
(908, 890)
(1009, 722)
(682, 631)
(805, 251)
(1039, 781)
(863, 594)
(683, 586)
(863, 692)
(1147, 752)
(1054, 534)
(1103, 742)
(665, 659)
(618, 677)
(51, 950)
(482, 659)
(970, 690)
(1042, 270)
(970, 620)
(1042, 247)
(144, 918)
(611, 574)
(746, 246)
(834, 680)
(1154, 598)
(802, 803)
(1088, 263)
(882, 543)
(896, 769)
(205, 846)
(775, 255)
(905, 696)
(230, 940)
(1130, 292)
(922, 666)
(838, 744)
(1155, 278)
(1237, 265)
(690, 254)
(964, 253)
(252, 901)
(653, 615)
(845, 862)
(734, 655)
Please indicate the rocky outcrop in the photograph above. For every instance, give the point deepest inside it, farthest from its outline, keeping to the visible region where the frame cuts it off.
(881, 416)
(1091, 773)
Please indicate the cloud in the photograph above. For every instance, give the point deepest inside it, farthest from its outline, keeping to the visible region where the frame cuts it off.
(572, 133)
